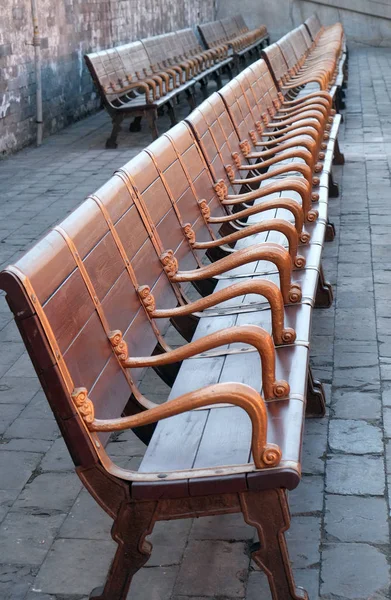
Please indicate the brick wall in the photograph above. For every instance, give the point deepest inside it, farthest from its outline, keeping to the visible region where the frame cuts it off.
(69, 29)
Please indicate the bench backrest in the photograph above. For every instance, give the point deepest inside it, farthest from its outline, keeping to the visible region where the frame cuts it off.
(82, 280)
(242, 27)
(230, 27)
(248, 97)
(276, 62)
(135, 60)
(287, 49)
(174, 188)
(306, 36)
(188, 41)
(154, 49)
(108, 74)
(314, 26)
(212, 33)
(217, 137)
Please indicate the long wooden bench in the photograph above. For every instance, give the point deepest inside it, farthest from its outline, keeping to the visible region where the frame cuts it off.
(137, 79)
(93, 298)
(234, 32)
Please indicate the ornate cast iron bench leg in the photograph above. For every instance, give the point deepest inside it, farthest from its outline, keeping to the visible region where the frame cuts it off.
(268, 512)
(333, 187)
(117, 122)
(338, 158)
(152, 120)
(135, 124)
(134, 522)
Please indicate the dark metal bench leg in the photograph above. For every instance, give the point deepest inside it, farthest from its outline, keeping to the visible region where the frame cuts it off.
(324, 292)
(152, 120)
(171, 113)
(135, 125)
(268, 511)
(330, 232)
(217, 77)
(204, 88)
(333, 187)
(338, 158)
(191, 98)
(112, 140)
(133, 523)
(316, 399)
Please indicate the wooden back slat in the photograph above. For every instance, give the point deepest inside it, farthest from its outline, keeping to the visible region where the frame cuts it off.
(276, 61)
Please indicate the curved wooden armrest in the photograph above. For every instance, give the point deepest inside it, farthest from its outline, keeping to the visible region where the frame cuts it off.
(320, 94)
(302, 168)
(310, 102)
(264, 454)
(263, 287)
(247, 334)
(308, 114)
(311, 79)
(310, 126)
(284, 227)
(286, 203)
(293, 142)
(292, 134)
(298, 110)
(292, 153)
(297, 184)
(266, 251)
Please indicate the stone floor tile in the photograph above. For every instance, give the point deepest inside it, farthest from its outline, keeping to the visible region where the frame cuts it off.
(156, 583)
(57, 458)
(354, 572)
(349, 404)
(17, 390)
(15, 581)
(26, 538)
(355, 437)
(354, 519)
(55, 491)
(358, 475)
(213, 568)
(224, 527)
(307, 498)
(74, 567)
(16, 468)
(39, 429)
(86, 520)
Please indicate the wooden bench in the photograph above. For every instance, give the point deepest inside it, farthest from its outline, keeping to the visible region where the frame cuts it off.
(297, 61)
(92, 300)
(137, 79)
(233, 32)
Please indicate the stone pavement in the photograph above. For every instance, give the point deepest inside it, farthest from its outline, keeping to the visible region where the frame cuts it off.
(55, 542)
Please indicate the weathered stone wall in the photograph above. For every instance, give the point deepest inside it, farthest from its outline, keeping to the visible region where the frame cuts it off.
(71, 28)
(364, 21)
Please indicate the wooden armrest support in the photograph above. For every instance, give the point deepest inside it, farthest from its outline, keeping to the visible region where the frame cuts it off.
(291, 153)
(263, 287)
(267, 251)
(247, 334)
(288, 229)
(296, 184)
(293, 142)
(289, 168)
(286, 203)
(238, 394)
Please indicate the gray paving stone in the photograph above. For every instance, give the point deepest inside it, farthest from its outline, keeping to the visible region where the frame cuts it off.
(26, 538)
(16, 468)
(155, 583)
(258, 586)
(39, 429)
(354, 519)
(307, 498)
(224, 527)
(74, 567)
(314, 452)
(354, 572)
(356, 404)
(17, 390)
(359, 475)
(86, 520)
(213, 568)
(355, 437)
(55, 491)
(57, 459)
(15, 581)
